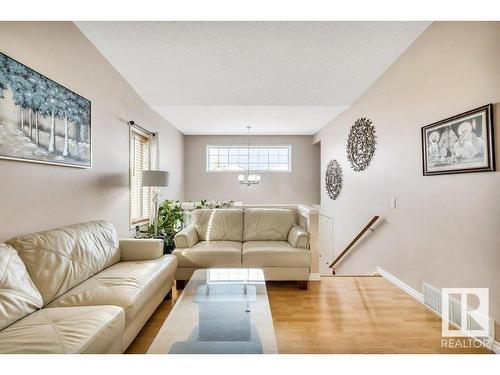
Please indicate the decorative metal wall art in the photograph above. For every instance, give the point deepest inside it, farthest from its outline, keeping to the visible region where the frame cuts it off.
(361, 144)
(333, 179)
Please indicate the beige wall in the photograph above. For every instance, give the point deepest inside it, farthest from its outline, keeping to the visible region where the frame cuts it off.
(299, 186)
(36, 196)
(445, 230)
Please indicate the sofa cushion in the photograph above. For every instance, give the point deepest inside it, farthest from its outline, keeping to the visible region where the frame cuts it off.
(126, 284)
(274, 254)
(87, 329)
(268, 224)
(60, 259)
(210, 254)
(219, 224)
(18, 295)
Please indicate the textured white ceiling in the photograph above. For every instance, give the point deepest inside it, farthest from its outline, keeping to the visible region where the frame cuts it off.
(233, 119)
(193, 72)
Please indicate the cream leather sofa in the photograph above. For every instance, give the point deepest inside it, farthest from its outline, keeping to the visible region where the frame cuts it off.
(255, 237)
(79, 289)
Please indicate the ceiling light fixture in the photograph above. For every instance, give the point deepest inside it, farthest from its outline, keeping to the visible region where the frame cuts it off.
(249, 179)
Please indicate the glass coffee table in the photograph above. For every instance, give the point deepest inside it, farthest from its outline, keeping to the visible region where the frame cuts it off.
(220, 311)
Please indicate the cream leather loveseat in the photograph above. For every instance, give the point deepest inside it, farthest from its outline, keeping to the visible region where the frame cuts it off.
(79, 289)
(254, 237)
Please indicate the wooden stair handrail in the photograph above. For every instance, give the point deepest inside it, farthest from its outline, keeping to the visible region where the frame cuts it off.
(360, 234)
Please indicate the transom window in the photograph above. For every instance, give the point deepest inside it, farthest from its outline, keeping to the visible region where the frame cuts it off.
(255, 158)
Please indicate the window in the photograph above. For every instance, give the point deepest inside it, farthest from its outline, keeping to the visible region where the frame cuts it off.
(241, 158)
(140, 159)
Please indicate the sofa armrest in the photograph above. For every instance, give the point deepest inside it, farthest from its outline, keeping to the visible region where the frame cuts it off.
(298, 237)
(187, 237)
(141, 248)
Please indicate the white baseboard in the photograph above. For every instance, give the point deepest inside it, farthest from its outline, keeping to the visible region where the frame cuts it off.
(493, 345)
(314, 277)
(496, 347)
(401, 285)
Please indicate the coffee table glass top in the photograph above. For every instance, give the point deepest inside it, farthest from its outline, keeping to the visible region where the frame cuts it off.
(220, 311)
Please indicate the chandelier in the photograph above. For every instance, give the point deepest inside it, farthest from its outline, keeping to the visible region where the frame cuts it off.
(249, 179)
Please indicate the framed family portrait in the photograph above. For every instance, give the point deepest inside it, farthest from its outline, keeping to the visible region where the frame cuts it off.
(460, 144)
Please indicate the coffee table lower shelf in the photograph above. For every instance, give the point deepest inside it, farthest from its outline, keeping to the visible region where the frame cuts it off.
(220, 311)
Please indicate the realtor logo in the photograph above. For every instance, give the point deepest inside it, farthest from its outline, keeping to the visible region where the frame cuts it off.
(467, 309)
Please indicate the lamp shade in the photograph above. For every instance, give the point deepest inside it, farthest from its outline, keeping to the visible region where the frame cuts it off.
(155, 178)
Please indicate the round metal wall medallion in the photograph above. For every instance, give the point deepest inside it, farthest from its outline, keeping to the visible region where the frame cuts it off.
(361, 144)
(333, 179)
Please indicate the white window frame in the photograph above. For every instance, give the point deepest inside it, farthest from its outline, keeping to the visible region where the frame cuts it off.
(207, 159)
(144, 221)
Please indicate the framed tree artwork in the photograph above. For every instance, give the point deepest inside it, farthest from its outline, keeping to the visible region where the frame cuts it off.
(460, 144)
(41, 121)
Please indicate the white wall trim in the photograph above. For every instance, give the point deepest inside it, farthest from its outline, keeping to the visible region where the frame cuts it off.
(306, 209)
(314, 277)
(401, 285)
(496, 347)
(325, 215)
(493, 345)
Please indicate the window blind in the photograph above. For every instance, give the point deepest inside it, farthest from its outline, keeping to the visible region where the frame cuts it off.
(140, 159)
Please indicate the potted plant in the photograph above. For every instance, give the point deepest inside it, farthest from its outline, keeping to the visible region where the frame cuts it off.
(170, 220)
(213, 204)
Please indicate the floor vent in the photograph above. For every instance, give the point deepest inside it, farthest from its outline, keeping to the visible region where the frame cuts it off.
(433, 300)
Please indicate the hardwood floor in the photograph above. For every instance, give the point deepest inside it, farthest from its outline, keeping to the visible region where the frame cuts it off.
(339, 315)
